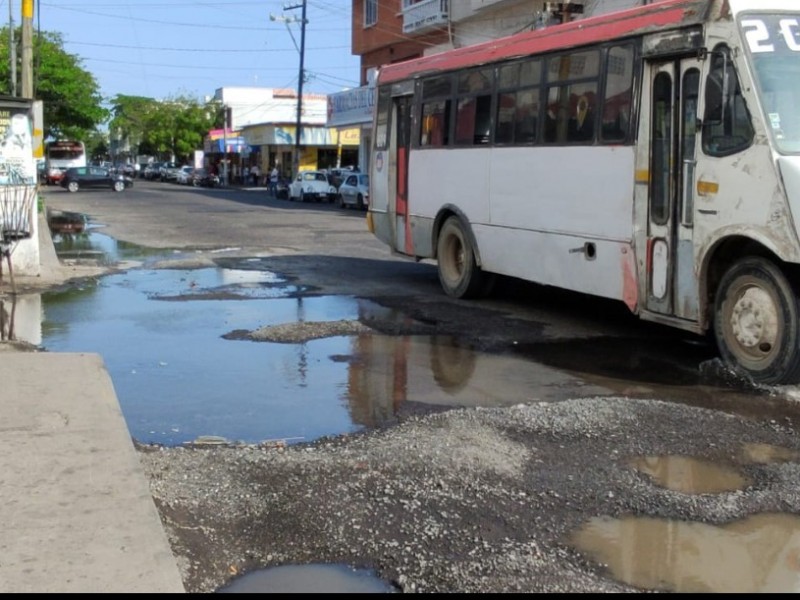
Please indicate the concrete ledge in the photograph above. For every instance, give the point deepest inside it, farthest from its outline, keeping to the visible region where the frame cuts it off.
(76, 514)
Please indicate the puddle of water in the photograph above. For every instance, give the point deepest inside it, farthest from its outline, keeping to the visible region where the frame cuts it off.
(758, 554)
(330, 579)
(767, 453)
(95, 246)
(690, 475)
(162, 336)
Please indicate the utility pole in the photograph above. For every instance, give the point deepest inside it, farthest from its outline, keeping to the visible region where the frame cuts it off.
(300, 79)
(27, 48)
(12, 50)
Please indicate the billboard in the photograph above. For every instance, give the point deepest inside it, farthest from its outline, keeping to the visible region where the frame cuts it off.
(17, 164)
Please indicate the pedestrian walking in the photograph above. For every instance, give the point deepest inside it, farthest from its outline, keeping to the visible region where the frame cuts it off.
(254, 173)
(273, 180)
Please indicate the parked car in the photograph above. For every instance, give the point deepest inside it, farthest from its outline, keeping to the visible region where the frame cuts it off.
(354, 191)
(78, 178)
(169, 171)
(184, 175)
(204, 178)
(312, 186)
(152, 171)
(337, 176)
(126, 169)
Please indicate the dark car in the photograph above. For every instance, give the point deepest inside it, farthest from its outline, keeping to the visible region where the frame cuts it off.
(204, 178)
(78, 178)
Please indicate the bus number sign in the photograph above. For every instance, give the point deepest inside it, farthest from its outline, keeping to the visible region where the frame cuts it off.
(768, 35)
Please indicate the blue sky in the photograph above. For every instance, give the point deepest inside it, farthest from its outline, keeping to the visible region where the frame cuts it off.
(166, 48)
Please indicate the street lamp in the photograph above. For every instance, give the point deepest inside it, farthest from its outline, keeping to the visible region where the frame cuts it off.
(300, 78)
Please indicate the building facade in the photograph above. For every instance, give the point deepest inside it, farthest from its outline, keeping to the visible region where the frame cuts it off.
(262, 128)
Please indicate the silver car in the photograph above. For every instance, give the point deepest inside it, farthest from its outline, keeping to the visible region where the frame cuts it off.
(354, 191)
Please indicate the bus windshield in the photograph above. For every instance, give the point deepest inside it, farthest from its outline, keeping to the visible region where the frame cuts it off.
(60, 153)
(773, 42)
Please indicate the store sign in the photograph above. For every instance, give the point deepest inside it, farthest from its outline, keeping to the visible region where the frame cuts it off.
(351, 107)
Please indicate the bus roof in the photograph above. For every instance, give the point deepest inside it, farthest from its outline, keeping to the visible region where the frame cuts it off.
(663, 15)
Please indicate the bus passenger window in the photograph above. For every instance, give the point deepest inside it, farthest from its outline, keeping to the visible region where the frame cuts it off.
(570, 115)
(526, 117)
(473, 120)
(506, 108)
(618, 95)
(435, 123)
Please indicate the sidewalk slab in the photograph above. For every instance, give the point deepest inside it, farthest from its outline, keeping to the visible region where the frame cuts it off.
(76, 514)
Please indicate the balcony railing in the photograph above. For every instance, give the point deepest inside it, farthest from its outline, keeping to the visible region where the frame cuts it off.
(425, 14)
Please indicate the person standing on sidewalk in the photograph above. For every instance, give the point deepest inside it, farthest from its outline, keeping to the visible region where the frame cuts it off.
(254, 173)
(245, 175)
(273, 180)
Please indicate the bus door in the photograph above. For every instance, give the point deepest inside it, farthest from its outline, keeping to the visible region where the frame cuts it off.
(671, 280)
(402, 111)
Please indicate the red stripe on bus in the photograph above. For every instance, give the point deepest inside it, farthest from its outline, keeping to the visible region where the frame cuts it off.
(642, 19)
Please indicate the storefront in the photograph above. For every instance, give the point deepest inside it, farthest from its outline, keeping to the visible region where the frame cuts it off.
(320, 147)
(350, 114)
(226, 151)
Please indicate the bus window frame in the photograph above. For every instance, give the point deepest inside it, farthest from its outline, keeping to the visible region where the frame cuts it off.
(600, 81)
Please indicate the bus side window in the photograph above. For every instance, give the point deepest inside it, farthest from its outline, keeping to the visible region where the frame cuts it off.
(618, 94)
(435, 124)
(473, 112)
(506, 108)
(727, 127)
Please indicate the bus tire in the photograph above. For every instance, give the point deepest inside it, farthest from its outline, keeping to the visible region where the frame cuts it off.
(459, 273)
(757, 321)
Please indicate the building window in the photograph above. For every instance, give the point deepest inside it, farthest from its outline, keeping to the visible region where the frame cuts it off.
(370, 12)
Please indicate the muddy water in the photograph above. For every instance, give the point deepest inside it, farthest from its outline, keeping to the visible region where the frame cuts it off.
(320, 579)
(180, 377)
(760, 553)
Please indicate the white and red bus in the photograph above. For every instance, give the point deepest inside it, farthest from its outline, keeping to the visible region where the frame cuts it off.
(650, 156)
(62, 155)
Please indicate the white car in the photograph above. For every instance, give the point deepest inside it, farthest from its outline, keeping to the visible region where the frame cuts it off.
(354, 191)
(312, 186)
(185, 175)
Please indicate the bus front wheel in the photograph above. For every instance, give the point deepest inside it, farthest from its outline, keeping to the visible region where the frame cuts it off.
(756, 321)
(459, 273)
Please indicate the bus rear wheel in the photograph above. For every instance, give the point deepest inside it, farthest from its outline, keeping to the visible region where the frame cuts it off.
(459, 273)
(756, 321)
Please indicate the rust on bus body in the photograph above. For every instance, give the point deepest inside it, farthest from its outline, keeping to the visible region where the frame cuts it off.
(650, 18)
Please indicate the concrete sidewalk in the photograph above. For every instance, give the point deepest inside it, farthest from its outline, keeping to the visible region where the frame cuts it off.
(76, 514)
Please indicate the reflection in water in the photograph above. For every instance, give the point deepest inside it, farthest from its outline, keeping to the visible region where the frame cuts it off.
(321, 579)
(387, 371)
(757, 554)
(7, 309)
(766, 453)
(690, 475)
(21, 318)
(179, 374)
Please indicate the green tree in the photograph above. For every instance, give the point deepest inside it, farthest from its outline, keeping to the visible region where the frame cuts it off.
(174, 127)
(71, 99)
(97, 146)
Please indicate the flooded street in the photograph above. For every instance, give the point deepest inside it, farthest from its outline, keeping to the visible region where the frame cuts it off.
(187, 370)
(313, 416)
